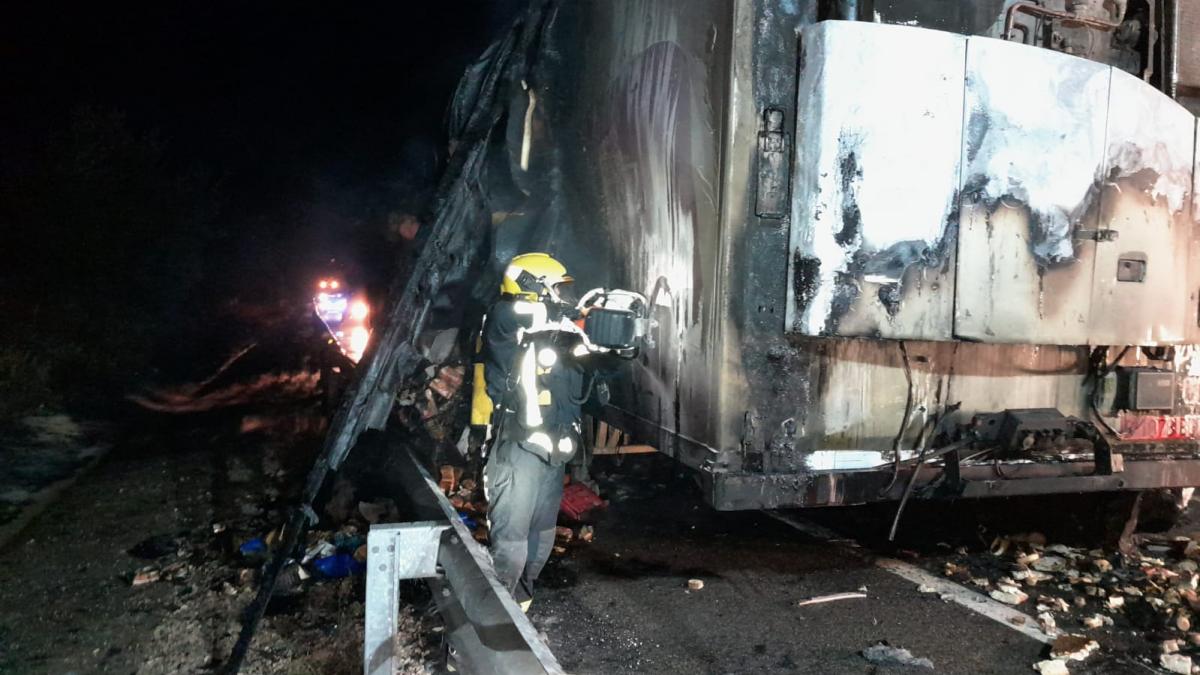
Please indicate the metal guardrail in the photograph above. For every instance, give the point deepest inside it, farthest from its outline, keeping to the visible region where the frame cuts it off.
(488, 632)
(396, 552)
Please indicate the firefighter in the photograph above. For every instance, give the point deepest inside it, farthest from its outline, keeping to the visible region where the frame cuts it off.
(528, 388)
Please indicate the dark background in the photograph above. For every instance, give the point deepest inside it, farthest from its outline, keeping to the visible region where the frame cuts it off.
(162, 163)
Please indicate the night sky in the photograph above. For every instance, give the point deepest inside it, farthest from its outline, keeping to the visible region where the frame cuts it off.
(311, 122)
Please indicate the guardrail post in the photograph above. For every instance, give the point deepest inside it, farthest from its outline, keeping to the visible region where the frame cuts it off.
(394, 552)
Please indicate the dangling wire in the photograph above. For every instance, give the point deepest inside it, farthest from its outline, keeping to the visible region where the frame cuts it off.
(908, 409)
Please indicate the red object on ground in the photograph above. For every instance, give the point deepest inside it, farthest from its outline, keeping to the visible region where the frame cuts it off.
(578, 501)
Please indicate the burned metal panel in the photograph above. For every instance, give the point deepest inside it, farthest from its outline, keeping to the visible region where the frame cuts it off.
(879, 132)
(1033, 149)
(1141, 285)
(648, 82)
(866, 386)
(989, 378)
(767, 385)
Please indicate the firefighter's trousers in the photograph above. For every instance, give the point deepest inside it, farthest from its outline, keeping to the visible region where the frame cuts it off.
(523, 493)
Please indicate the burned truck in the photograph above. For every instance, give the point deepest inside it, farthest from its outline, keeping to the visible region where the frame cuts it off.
(948, 249)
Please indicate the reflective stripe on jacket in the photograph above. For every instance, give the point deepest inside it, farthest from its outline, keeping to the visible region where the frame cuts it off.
(530, 375)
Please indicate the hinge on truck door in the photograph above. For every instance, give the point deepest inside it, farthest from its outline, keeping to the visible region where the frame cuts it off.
(1102, 234)
(773, 169)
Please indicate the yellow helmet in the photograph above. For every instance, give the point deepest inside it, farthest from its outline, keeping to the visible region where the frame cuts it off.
(531, 274)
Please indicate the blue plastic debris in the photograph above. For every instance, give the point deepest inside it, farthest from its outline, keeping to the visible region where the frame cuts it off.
(337, 566)
(253, 547)
(467, 520)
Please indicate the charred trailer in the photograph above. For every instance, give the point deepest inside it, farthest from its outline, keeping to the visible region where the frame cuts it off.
(951, 250)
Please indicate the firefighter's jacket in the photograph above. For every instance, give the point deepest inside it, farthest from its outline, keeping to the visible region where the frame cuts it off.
(528, 382)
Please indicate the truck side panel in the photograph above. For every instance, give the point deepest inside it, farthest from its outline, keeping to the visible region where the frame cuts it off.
(649, 84)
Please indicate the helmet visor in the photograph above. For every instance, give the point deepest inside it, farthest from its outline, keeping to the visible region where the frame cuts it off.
(566, 291)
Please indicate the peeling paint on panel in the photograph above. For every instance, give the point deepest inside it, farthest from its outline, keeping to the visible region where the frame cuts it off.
(1157, 169)
(1151, 139)
(879, 112)
(1153, 158)
(1033, 156)
(1036, 127)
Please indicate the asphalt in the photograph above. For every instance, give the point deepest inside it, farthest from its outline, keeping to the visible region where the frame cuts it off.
(621, 603)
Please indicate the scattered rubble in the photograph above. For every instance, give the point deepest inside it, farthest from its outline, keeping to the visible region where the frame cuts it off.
(1139, 603)
(172, 555)
(1047, 624)
(313, 595)
(1008, 594)
(448, 380)
(146, 575)
(466, 496)
(1073, 647)
(886, 655)
(1048, 603)
(1050, 563)
(449, 477)
(1051, 667)
(1176, 663)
